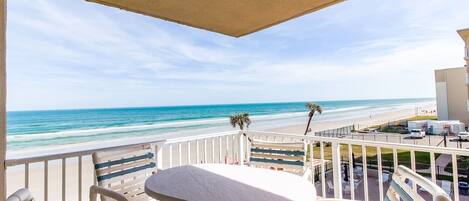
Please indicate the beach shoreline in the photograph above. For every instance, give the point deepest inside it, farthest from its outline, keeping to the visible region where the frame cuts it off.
(294, 125)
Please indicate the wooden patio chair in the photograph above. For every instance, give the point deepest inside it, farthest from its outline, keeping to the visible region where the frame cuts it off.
(400, 190)
(121, 173)
(283, 156)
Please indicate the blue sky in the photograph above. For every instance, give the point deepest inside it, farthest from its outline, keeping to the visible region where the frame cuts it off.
(76, 54)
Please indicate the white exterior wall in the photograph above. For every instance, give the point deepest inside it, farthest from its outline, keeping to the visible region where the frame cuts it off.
(416, 125)
(442, 100)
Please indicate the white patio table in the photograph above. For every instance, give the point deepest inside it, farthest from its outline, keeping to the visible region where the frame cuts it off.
(227, 182)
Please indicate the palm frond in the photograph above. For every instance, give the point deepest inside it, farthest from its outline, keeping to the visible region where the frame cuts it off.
(240, 120)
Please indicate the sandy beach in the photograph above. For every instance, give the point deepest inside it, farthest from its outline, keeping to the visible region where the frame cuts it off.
(16, 177)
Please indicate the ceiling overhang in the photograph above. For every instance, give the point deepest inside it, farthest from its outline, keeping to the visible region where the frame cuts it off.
(230, 17)
(464, 33)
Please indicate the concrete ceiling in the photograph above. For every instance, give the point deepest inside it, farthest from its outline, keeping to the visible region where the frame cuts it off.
(464, 33)
(231, 17)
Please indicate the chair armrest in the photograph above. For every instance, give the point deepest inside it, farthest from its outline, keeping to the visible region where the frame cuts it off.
(95, 190)
(21, 195)
(308, 174)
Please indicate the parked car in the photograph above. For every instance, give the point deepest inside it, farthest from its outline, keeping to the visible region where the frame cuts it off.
(417, 133)
(463, 135)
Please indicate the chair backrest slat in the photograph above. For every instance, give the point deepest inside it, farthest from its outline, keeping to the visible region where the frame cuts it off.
(289, 156)
(125, 170)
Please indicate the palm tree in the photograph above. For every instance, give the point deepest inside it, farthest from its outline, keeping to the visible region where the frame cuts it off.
(241, 120)
(313, 108)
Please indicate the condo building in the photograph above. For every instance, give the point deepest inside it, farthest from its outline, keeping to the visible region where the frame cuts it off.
(452, 88)
(464, 33)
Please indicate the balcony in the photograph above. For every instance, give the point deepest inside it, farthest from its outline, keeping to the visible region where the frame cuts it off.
(374, 161)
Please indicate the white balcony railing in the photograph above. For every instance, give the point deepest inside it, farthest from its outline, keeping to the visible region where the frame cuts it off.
(230, 147)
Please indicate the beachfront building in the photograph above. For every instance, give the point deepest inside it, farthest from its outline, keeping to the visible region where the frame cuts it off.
(464, 33)
(452, 88)
(452, 94)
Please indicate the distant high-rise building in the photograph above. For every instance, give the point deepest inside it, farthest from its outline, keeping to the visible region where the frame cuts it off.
(452, 88)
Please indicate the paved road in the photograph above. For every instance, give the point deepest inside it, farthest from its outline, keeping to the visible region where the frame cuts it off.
(429, 140)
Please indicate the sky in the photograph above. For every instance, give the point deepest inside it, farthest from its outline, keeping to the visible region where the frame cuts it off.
(77, 54)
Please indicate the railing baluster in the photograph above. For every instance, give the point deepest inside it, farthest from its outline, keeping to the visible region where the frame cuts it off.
(188, 152)
(80, 172)
(46, 179)
(311, 158)
(365, 172)
(227, 139)
(233, 154)
(26, 175)
(380, 173)
(395, 160)
(220, 155)
(337, 170)
(432, 166)
(213, 150)
(180, 153)
(170, 156)
(455, 177)
(412, 164)
(197, 154)
(351, 172)
(159, 156)
(205, 150)
(241, 149)
(323, 174)
(64, 178)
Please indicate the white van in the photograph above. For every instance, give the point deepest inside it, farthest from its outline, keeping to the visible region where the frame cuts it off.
(463, 135)
(417, 133)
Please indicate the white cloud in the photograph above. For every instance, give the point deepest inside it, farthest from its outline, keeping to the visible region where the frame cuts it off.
(78, 54)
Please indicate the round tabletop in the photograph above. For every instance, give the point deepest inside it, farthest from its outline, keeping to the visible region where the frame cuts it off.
(227, 182)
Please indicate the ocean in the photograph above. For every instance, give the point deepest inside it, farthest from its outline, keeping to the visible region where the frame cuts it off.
(29, 129)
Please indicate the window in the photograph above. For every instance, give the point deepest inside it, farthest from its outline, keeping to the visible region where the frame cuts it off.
(467, 51)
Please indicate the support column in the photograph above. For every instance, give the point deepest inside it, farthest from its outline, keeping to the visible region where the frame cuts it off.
(3, 95)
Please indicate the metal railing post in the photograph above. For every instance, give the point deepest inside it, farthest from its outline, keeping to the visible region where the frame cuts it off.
(336, 168)
(241, 148)
(159, 156)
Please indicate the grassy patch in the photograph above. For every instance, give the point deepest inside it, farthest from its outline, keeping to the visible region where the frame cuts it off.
(394, 129)
(463, 163)
(416, 118)
(422, 158)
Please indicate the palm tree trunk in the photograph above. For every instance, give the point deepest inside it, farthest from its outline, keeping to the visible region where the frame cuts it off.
(309, 122)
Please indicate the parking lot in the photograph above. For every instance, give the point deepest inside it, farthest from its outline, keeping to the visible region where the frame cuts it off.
(429, 140)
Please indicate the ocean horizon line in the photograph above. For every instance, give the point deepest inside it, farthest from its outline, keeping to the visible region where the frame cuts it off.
(215, 104)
